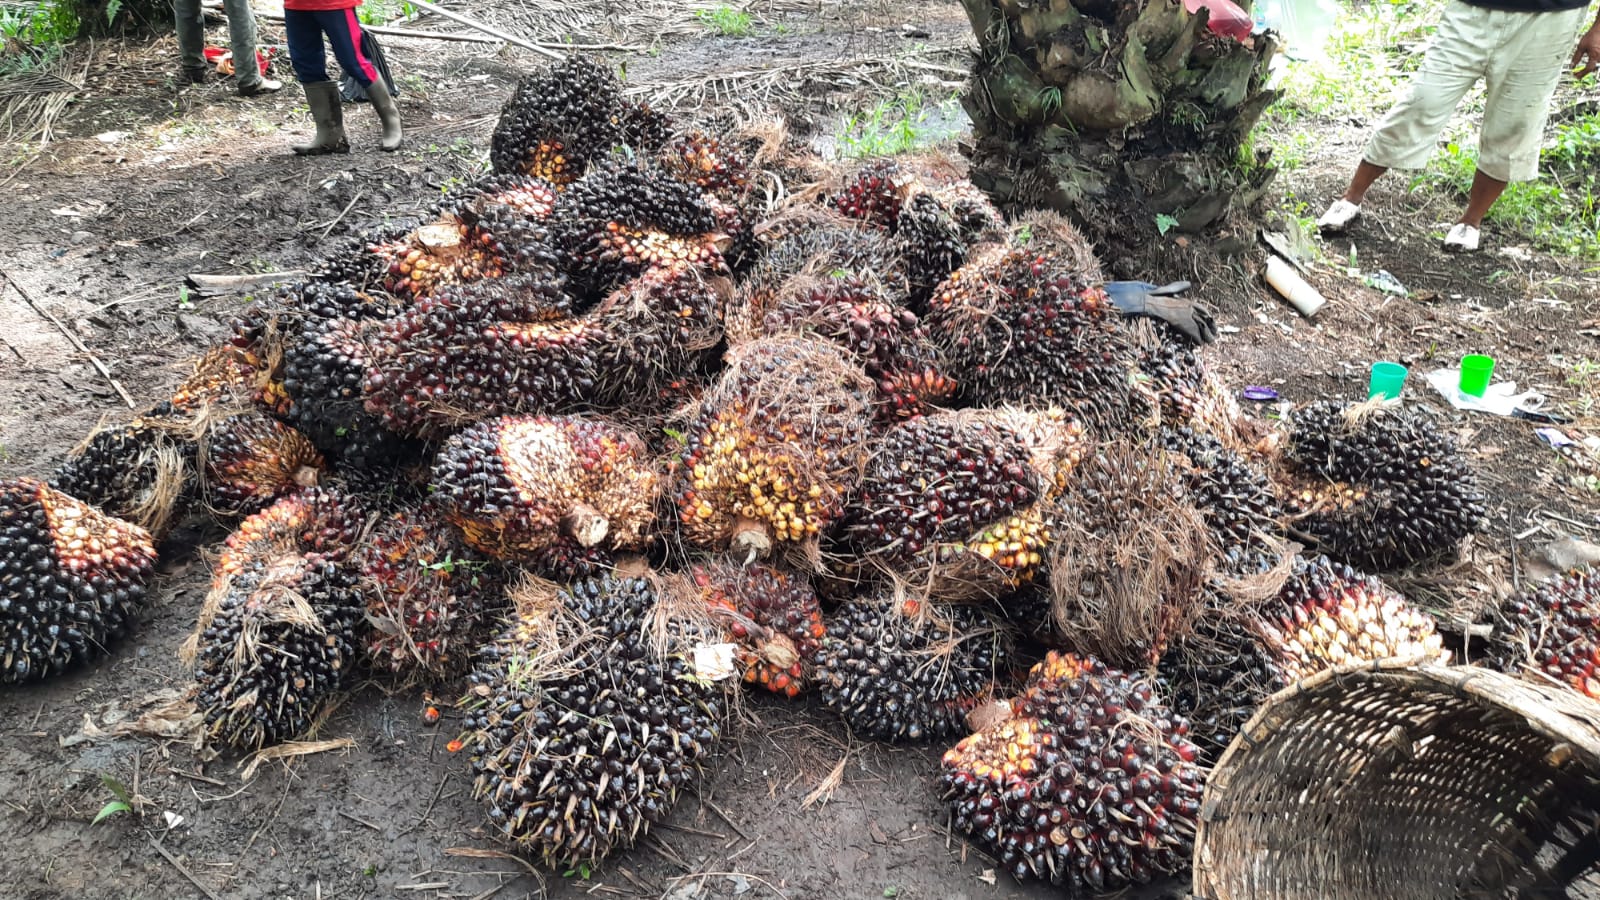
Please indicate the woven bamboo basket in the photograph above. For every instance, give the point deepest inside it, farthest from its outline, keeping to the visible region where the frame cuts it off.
(1404, 781)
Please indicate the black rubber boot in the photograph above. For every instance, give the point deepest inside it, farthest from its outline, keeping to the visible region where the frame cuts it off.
(326, 111)
(388, 114)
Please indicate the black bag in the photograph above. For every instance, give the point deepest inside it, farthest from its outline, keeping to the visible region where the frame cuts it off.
(349, 88)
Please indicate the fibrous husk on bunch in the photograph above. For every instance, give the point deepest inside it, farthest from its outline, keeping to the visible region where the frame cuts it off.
(885, 338)
(909, 671)
(1023, 327)
(427, 595)
(1378, 487)
(1086, 780)
(1133, 555)
(959, 505)
(142, 471)
(772, 448)
(72, 580)
(283, 626)
(517, 486)
(586, 718)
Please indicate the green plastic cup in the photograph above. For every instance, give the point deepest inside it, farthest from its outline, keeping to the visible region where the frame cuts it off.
(1387, 380)
(1476, 370)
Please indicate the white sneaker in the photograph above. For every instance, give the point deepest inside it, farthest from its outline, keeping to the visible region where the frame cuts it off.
(1463, 238)
(1339, 215)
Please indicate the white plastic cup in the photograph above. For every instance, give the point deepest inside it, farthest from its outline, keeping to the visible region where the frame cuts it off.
(1285, 280)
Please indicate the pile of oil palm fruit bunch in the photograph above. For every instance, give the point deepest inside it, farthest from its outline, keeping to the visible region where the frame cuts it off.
(616, 429)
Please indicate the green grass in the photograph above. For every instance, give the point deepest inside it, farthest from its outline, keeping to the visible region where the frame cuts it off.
(726, 21)
(896, 125)
(382, 12)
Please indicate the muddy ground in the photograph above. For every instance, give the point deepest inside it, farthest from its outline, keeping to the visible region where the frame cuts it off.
(144, 183)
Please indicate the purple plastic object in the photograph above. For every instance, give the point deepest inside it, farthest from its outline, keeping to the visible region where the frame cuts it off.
(1257, 392)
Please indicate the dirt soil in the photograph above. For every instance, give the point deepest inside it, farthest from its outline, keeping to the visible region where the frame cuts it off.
(144, 182)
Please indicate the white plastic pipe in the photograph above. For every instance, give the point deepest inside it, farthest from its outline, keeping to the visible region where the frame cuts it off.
(1285, 280)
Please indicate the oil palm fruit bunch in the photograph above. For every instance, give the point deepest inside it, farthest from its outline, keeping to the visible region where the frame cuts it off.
(251, 459)
(1378, 488)
(560, 119)
(953, 504)
(276, 643)
(320, 520)
(1091, 784)
(807, 242)
(529, 197)
(1330, 615)
(516, 485)
(473, 351)
(772, 448)
(1188, 393)
(427, 594)
(657, 327)
(324, 370)
(72, 580)
(874, 194)
(975, 216)
(498, 241)
(704, 160)
(141, 471)
(1238, 502)
(1130, 564)
(931, 240)
(565, 561)
(645, 129)
(226, 376)
(1216, 677)
(908, 671)
(330, 299)
(885, 338)
(363, 262)
(625, 216)
(772, 615)
(1018, 327)
(1553, 627)
(283, 624)
(585, 721)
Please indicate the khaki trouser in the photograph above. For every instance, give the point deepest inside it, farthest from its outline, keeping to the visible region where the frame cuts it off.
(1520, 56)
(241, 38)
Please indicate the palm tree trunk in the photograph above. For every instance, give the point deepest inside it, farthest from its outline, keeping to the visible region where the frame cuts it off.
(1114, 112)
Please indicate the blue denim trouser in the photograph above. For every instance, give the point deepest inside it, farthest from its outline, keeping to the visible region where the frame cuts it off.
(305, 29)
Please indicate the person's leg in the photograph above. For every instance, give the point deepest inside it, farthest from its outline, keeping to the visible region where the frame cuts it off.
(1361, 181)
(1519, 86)
(242, 39)
(344, 34)
(303, 34)
(1486, 189)
(191, 27)
(1405, 139)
